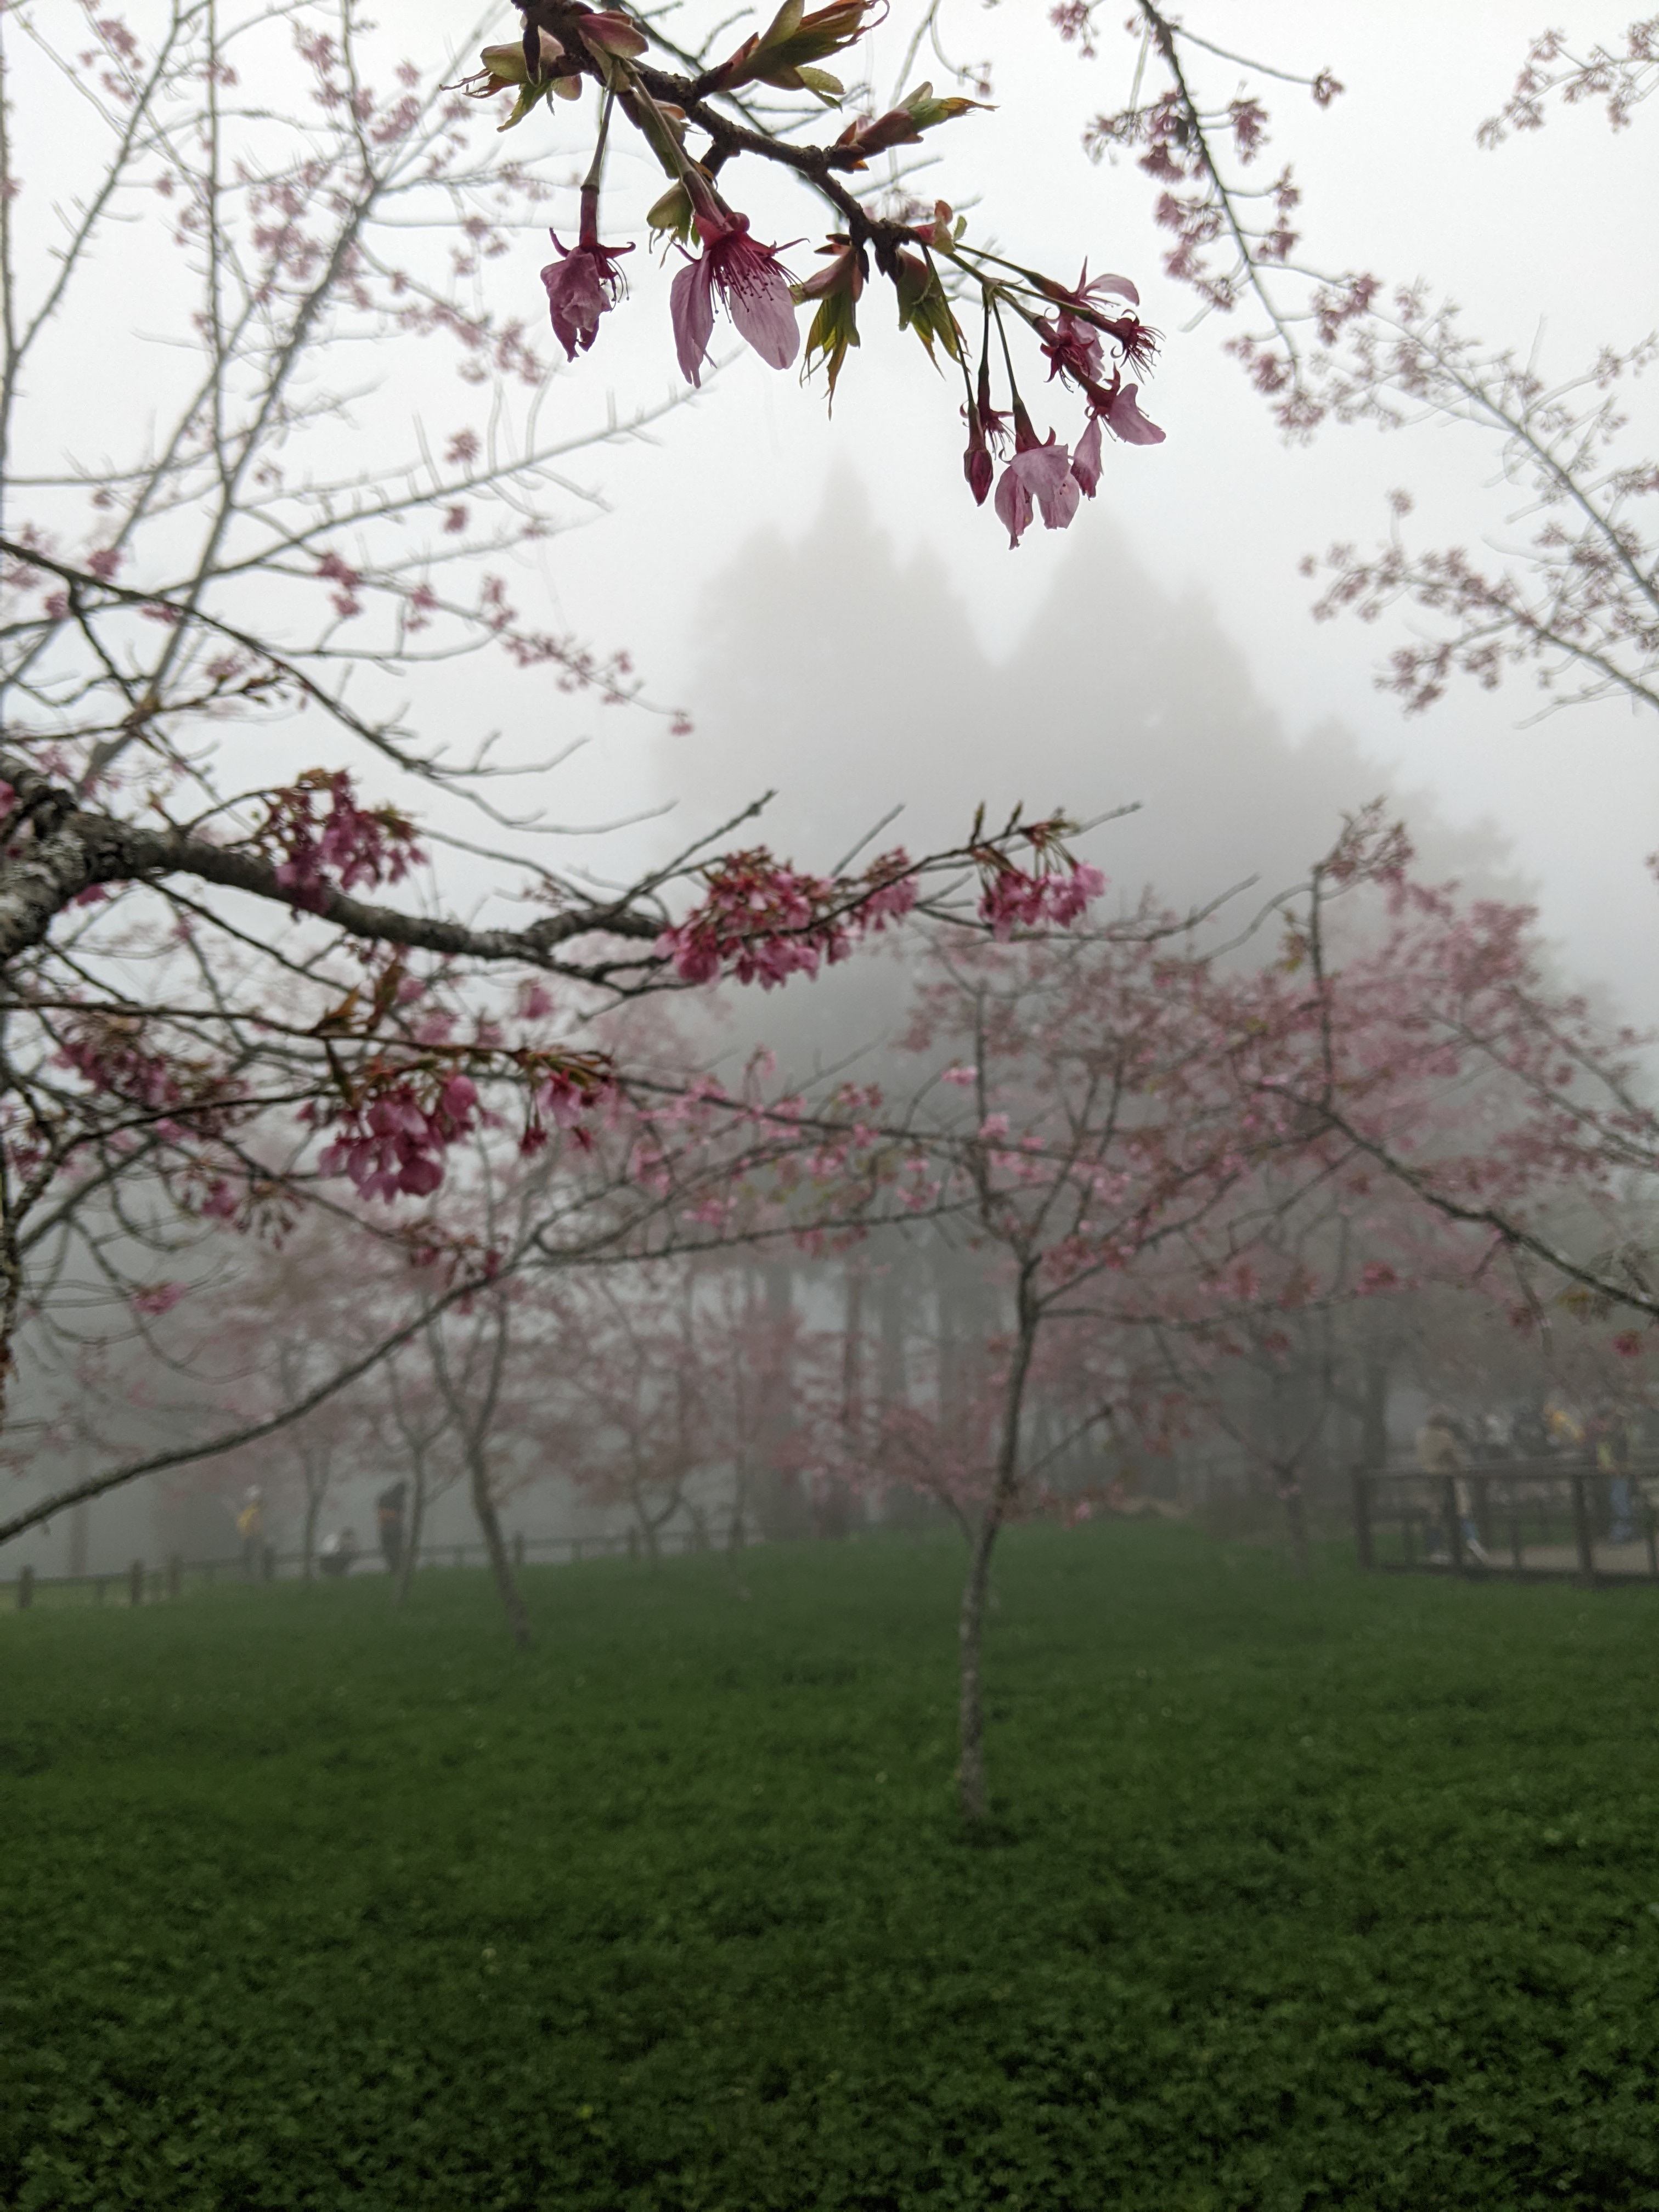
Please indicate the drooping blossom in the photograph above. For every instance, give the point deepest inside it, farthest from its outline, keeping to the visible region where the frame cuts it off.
(1040, 472)
(583, 283)
(753, 284)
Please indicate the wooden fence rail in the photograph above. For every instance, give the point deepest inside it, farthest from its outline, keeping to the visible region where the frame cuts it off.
(1532, 1520)
(143, 1584)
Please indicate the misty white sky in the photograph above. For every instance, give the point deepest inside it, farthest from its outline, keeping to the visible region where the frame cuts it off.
(1547, 242)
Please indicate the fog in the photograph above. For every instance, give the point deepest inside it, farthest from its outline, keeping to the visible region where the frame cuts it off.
(842, 626)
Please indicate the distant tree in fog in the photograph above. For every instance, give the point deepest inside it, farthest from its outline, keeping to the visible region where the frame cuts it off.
(1577, 607)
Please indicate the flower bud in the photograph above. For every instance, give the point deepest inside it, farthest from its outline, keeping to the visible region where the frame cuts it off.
(672, 214)
(610, 32)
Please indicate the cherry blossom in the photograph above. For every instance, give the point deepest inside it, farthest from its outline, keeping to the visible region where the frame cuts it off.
(583, 283)
(753, 285)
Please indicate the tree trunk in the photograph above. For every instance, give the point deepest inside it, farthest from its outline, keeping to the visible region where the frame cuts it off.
(474, 1424)
(970, 1703)
(411, 1558)
(1296, 1521)
(80, 1537)
(971, 1796)
(500, 1565)
(308, 1539)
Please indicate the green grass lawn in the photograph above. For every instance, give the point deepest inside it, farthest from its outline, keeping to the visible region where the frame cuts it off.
(1344, 1894)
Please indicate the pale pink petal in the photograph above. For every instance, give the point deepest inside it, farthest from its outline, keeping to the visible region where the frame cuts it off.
(691, 304)
(1046, 472)
(1085, 461)
(1013, 504)
(1118, 285)
(1128, 420)
(759, 304)
(1059, 503)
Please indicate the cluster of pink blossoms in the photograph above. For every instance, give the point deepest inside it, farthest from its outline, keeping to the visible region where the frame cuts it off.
(327, 841)
(1042, 476)
(565, 1094)
(391, 1143)
(762, 922)
(109, 1054)
(1013, 899)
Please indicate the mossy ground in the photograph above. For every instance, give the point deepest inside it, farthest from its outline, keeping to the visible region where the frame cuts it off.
(1336, 1895)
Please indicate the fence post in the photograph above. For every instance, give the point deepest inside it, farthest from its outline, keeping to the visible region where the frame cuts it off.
(176, 1576)
(1362, 1519)
(1453, 1524)
(25, 1589)
(1581, 1526)
(136, 1583)
(517, 1548)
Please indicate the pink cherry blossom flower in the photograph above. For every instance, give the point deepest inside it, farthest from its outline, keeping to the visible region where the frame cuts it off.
(754, 289)
(584, 283)
(1040, 471)
(1072, 348)
(1136, 341)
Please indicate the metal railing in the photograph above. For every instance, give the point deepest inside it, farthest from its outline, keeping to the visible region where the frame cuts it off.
(1533, 1520)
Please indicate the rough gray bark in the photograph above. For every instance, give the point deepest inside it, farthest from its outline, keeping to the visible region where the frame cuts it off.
(76, 846)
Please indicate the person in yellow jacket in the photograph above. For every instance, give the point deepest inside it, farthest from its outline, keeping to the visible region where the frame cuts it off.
(1440, 1452)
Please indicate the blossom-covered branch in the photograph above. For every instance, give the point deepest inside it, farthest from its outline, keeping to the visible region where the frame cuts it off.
(1087, 331)
(1575, 603)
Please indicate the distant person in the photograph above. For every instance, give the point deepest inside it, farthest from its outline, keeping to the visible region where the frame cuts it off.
(251, 1528)
(1565, 1430)
(338, 1552)
(1611, 1434)
(389, 1523)
(1440, 1453)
